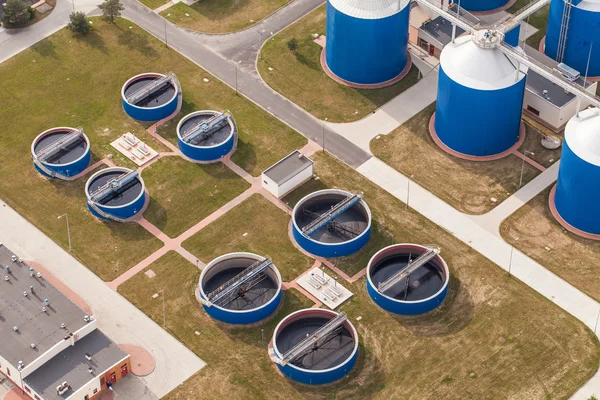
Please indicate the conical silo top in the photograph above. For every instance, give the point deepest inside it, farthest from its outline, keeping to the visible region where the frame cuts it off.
(582, 135)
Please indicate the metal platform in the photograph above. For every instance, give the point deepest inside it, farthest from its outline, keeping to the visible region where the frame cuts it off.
(315, 340)
(206, 128)
(323, 287)
(403, 275)
(113, 186)
(327, 217)
(134, 149)
(238, 285)
(150, 88)
(59, 145)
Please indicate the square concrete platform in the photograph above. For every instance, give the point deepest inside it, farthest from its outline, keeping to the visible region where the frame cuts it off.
(324, 287)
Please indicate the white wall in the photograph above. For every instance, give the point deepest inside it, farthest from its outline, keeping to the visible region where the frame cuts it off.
(270, 185)
(15, 374)
(296, 181)
(57, 348)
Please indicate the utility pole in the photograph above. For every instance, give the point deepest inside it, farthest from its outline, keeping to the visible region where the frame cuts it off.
(164, 312)
(166, 42)
(512, 249)
(525, 152)
(68, 229)
(323, 126)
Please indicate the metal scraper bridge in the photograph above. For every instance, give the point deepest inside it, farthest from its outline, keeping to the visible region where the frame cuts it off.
(404, 274)
(61, 152)
(328, 216)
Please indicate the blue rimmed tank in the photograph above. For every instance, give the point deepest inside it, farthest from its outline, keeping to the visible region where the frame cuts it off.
(367, 41)
(480, 97)
(331, 223)
(583, 24)
(407, 279)
(116, 194)
(314, 346)
(206, 135)
(578, 184)
(61, 152)
(150, 96)
(483, 5)
(240, 288)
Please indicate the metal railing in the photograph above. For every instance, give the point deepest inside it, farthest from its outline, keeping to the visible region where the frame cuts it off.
(149, 88)
(59, 145)
(315, 340)
(412, 266)
(113, 186)
(206, 128)
(245, 280)
(331, 214)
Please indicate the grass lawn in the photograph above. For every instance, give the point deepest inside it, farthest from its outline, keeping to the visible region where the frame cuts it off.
(466, 185)
(221, 16)
(238, 365)
(183, 193)
(475, 346)
(256, 226)
(571, 257)
(533, 144)
(540, 21)
(42, 88)
(153, 4)
(299, 77)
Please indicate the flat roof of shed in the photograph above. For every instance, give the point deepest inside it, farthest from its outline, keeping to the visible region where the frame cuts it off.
(288, 167)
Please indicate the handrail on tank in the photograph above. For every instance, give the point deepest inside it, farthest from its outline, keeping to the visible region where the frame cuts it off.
(206, 128)
(59, 145)
(113, 186)
(332, 214)
(150, 88)
(412, 266)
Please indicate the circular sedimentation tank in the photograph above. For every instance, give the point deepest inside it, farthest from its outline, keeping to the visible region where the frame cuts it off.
(212, 148)
(425, 289)
(367, 40)
(61, 152)
(578, 186)
(479, 6)
(326, 363)
(150, 105)
(248, 303)
(480, 98)
(119, 202)
(347, 234)
(583, 29)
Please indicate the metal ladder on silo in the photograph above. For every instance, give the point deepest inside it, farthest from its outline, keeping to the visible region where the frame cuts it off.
(54, 147)
(331, 214)
(314, 341)
(206, 128)
(412, 266)
(113, 185)
(242, 282)
(564, 28)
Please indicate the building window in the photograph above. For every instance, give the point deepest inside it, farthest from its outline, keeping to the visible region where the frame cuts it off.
(35, 396)
(27, 389)
(533, 111)
(95, 391)
(8, 371)
(102, 381)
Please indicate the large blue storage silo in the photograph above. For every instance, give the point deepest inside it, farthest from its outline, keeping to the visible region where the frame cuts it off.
(367, 40)
(483, 5)
(578, 185)
(61, 152)
(249, 303)
(151, 96)
(319, 364)
(583, 29)
(480, 96)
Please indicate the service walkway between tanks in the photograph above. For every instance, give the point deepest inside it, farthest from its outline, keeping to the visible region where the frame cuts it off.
(118, 318)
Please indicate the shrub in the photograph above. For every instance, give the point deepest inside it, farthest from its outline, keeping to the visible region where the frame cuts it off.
(111, 9)
(78, 23)
(16, 13)
(292, 44)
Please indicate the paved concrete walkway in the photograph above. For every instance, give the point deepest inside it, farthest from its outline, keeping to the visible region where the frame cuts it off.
(118, 318)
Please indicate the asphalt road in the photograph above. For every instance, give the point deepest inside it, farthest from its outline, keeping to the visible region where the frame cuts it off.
(231, 58)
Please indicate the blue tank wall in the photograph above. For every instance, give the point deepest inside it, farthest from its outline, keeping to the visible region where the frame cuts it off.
(478, 122)
(206, 153)
(242, 318)
(124, 212)
(482, 5)
(319, 378)
(578, 191)
(405, 308)
(71, 169)
(150, 114)
(366, 51)
(584, 26)
(331, 250)
(512, 37)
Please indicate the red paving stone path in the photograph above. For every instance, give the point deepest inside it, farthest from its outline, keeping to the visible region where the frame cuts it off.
(365, 86)
(64, 289)
(564, 223)
(142, 362)
(16, 394)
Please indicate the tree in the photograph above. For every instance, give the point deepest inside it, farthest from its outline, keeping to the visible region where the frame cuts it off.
(292, 44)
(111, 9)
(78, 23)
(15, 13)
